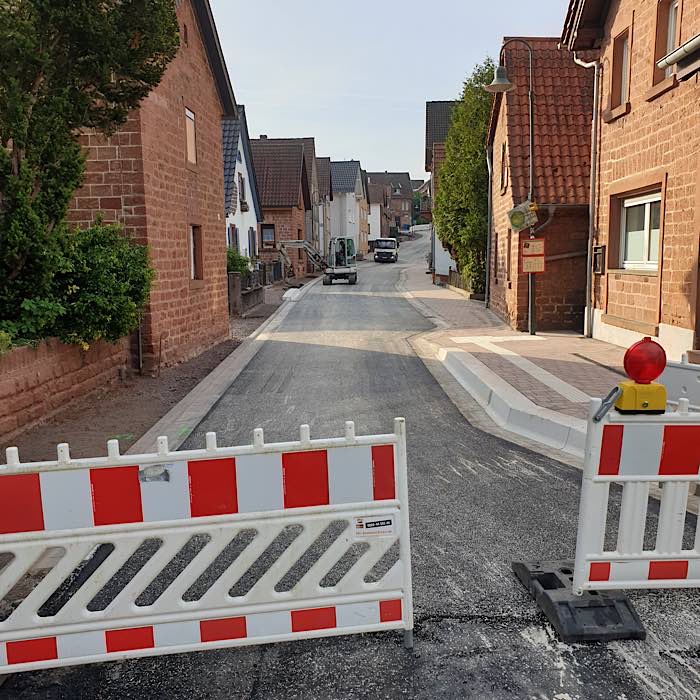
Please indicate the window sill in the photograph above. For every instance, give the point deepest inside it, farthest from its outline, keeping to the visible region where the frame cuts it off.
(629, 325)
(192, 167)
(610, 115)
(660, 88)
(196, 284)
(646, 272)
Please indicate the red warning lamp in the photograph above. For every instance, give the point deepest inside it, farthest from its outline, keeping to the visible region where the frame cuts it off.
(645, 361)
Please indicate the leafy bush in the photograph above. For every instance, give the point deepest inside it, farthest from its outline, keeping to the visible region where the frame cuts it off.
(104, 288)
(235, 262)
(66, 67)
(460, 214)
(99, 291)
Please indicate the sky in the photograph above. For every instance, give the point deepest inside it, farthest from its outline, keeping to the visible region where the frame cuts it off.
(356, 75)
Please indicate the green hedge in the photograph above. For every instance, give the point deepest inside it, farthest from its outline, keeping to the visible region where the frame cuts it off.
(100, 287)
(235, 262)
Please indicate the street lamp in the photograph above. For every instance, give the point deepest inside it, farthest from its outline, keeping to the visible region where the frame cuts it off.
(501, 83)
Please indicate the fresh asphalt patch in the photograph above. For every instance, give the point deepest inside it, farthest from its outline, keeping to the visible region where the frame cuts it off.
(477, 503)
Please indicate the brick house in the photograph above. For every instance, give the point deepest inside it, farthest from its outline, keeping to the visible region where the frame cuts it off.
(562, 116)
(438, 117)
(283, 185)
(647, 199)
(161, 176)
(401, 202)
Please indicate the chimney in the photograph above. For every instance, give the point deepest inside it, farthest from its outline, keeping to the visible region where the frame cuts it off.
(263, 136)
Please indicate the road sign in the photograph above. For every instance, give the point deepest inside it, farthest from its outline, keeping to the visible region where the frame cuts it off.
(523, 216)
(532, 254)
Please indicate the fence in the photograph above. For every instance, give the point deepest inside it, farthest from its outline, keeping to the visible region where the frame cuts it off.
(125, 556)
(637, 451)
(682, 381)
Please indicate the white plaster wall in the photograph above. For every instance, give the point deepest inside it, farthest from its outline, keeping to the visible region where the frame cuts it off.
(243, 220)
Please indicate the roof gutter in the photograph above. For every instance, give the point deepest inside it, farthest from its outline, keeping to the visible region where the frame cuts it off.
(690, 46)
(593, 178)
(489, 223)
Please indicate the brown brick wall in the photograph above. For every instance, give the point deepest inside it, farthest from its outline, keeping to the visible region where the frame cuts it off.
(288, 223)
(657, 141)
(560, 291)
(140, 177)
(37, 382)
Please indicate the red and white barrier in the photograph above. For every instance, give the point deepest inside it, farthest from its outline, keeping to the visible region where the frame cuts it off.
(63, 512)
(638, 451)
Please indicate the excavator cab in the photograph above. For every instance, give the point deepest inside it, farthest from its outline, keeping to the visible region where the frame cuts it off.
(342, 261)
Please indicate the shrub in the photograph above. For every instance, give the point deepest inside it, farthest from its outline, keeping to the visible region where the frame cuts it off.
(104, 287)
(235, 262)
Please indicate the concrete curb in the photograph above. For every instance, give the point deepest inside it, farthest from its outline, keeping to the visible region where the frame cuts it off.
(179, 423)
(505, 405)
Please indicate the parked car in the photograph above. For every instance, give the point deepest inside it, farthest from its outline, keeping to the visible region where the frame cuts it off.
(386, 250)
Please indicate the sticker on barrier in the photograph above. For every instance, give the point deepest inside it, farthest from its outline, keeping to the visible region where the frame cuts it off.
(636, 452)
(126, 556)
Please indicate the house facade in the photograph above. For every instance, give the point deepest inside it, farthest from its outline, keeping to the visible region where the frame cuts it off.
(378, 213)
(349, 209)
(325, 193)
(647, 198)
(281, 176)
(241, 200)
(562, 125)
(401, 202)
(161, 175)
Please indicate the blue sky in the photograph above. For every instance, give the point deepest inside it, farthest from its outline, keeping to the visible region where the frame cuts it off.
(356, 75)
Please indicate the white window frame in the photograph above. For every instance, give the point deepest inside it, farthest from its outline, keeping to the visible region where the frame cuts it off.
(671, 31)
(628, 202)
(190, 118)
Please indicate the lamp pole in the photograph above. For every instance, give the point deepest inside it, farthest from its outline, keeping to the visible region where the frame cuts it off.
(502, 84)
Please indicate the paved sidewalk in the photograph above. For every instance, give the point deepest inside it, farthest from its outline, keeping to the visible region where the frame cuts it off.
(539, 386)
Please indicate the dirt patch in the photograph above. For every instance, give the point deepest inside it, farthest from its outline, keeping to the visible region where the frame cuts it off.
(125, 411)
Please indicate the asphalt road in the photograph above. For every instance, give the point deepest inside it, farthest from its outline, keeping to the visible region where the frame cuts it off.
(477, 503)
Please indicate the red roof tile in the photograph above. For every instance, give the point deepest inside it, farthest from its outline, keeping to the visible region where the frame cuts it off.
(563, 105)
(280, 171)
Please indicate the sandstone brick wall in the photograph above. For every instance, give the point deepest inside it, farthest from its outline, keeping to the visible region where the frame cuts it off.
(655, 145)
(37, 382)
(287, 223)
(140, 177)
(560, 291)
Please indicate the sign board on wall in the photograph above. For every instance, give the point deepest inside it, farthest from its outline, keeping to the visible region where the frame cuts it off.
(532, 256)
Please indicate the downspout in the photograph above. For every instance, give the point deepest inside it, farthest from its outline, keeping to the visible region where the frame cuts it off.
(588, 330)
(489, 216)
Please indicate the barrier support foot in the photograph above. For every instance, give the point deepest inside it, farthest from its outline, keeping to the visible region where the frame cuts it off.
(408, 639)
(596, 616)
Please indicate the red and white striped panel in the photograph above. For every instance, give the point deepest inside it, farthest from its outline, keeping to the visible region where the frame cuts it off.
(644, 570)
(81, 645)
(650, 449)
(62, 500)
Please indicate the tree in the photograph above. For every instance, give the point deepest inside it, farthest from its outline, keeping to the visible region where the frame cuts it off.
(67, 65)
(461, 204)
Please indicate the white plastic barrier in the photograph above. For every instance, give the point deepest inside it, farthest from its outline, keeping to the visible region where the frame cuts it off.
(682, 381)
(127, 556)
(637, 451)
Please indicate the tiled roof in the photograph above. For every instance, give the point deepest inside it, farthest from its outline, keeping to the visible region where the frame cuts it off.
(563, 103)
(438, 116)
(344, 175)
(323, 172)
(230, 127)
(279, 170)
(417, 184)
(376, 194)
(394, 180)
